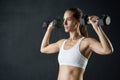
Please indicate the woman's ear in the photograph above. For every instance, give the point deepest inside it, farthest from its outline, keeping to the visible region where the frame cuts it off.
(78, 22)
(76, 25)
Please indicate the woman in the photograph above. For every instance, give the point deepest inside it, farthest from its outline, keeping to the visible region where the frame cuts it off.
(75, 51)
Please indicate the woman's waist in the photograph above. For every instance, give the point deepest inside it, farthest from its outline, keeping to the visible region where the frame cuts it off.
(70, 73)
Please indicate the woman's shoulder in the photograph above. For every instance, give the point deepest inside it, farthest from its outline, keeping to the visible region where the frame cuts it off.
(59, 42)
(89, 39)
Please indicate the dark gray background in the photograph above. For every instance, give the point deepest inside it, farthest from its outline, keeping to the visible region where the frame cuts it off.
(21, 33)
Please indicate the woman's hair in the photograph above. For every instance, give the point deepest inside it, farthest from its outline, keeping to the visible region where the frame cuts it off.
(77, 14)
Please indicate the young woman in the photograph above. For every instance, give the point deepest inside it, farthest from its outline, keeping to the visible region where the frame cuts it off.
(75, 51)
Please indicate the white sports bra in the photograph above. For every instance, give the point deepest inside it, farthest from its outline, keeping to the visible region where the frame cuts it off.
(72, 56)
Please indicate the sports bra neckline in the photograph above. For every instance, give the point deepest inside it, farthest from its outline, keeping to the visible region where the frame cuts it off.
(63, 46)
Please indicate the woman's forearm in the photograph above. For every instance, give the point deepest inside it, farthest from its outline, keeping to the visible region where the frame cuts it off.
(45, 41)
(105, 42)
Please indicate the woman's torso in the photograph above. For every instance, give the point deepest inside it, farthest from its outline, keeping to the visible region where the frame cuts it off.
(67, 72)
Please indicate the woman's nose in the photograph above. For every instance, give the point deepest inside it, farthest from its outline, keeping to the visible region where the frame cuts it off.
(65, 22)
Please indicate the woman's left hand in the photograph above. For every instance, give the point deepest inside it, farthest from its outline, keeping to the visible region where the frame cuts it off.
(93, 20)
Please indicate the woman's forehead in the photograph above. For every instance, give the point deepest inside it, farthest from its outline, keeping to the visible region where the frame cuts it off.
(68, 14)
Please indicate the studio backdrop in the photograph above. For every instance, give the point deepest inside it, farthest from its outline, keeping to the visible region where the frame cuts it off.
(21, 33)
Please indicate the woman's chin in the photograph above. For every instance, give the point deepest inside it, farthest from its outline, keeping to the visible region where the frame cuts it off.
(66, 31)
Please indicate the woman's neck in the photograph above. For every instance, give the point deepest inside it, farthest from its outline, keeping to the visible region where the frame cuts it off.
(74, 35)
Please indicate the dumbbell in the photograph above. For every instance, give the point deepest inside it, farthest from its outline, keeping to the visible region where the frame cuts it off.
(56, 22)
(103, 20)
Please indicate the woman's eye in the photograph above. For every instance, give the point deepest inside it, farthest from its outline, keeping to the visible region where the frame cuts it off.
(69, 19)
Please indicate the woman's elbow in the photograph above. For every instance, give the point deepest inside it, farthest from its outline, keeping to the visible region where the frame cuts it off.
(109, 51)
(42, 50)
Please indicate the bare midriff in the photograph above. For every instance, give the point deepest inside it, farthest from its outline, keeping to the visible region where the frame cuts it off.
(70, 73)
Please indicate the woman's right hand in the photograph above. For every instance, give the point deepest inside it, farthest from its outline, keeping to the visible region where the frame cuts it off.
(51, 26)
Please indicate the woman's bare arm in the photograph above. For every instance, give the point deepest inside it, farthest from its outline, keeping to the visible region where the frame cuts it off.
(46, 47)
(103, 46)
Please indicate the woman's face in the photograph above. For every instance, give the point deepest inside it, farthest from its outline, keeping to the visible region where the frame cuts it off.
(70, 23)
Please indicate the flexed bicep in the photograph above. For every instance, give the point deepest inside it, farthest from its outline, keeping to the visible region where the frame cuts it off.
(97, 47)
(50, 49)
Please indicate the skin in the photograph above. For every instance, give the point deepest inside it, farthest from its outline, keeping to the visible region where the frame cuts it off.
(87, 46)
